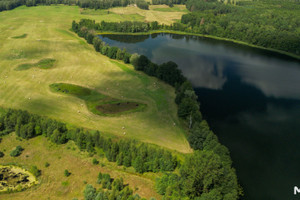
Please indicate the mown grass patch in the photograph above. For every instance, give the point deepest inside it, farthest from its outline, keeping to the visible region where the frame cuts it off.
(20, 36)
(96, 102)
(46, 63)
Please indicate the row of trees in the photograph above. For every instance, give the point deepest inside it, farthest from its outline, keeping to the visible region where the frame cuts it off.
(200, 136)
(92, 4)
(168, 2)
(143, 157)
(124, 26)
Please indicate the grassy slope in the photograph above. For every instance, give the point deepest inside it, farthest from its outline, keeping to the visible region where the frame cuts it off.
(77, 63)
(38, 151)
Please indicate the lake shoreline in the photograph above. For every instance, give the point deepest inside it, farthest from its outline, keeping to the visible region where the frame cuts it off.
(294, 56)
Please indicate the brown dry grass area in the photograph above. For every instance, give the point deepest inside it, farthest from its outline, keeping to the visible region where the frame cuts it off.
(150, 15)
(38, 151)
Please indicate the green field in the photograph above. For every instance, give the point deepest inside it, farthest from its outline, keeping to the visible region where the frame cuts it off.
(48, 35)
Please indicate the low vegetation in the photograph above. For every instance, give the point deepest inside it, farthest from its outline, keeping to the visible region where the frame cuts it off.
(98, 103)
(35, 171)
(46, 63)
(15, 179)
(67, 173)
(16, 152)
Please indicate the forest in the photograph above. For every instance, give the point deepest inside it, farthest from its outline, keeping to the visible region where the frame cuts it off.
(260, 23)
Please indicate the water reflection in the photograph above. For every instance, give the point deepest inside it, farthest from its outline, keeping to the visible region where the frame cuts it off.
(251, 99)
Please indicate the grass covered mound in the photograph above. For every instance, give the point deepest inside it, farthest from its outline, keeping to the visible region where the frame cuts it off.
(20, 36)
(45, 63)
(96, 102)
(14, 178)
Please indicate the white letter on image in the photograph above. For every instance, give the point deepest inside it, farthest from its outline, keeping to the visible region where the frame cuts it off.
(296, 190)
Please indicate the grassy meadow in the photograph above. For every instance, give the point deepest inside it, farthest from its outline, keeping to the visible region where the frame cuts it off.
(53, 184)
(31, 34)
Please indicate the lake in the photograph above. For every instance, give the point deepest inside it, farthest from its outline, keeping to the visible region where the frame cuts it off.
(249, 96)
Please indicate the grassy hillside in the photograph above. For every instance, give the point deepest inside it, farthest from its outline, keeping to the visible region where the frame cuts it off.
(76, 62)
(53, 183)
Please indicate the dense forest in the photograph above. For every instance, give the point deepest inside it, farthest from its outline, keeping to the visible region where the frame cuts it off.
(271, 24)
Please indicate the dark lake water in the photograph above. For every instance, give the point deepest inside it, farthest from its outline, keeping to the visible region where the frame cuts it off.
(251, 99)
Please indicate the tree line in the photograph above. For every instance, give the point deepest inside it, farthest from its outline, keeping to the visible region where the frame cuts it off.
(92, 4)
(168, 2)
(142, 157)
(200, 136)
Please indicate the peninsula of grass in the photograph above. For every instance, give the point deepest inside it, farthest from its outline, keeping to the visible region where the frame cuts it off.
(20, 36)
(45, 63)
(96, 102)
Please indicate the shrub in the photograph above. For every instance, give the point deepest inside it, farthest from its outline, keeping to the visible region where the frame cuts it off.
(1, 154)
(35, 171)
(67, 173)
(47, 164)
(95, 161)
(16, 152)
